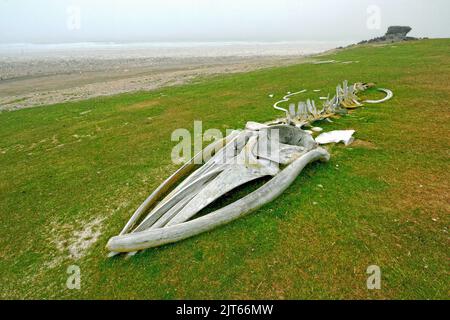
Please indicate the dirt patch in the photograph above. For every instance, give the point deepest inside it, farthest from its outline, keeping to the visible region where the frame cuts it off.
(358, 143)
(85, 238)
(72, 242)
(75, 245)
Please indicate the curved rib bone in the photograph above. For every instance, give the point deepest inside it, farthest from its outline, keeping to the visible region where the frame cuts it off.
(268, 192)
(389, 95)
(174, 178)
(247, 168)
(179, 198)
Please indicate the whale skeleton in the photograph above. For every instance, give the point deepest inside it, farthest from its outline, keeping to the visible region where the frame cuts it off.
(346, 98)
(278, 149)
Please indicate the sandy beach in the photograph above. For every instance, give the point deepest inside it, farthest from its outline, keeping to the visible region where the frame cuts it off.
(35, 75)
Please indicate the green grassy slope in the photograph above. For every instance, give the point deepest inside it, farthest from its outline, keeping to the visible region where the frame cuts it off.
(384, 200)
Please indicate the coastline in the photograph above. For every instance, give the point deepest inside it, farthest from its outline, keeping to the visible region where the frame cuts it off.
(40, 77)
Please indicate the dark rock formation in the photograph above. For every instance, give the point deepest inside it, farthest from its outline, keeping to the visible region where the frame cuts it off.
(397, 32)
(394, 34)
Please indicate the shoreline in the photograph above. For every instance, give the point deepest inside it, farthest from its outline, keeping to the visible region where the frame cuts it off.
(40, 90)
(34, 79)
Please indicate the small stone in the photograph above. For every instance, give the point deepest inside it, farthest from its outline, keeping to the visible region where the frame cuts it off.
(320, 186)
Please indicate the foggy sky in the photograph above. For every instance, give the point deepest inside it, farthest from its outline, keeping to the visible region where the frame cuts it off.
(46, 21)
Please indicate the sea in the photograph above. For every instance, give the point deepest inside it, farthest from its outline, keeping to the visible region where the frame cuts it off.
(168, 49)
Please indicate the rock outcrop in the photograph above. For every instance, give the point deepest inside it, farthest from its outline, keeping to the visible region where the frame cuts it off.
(397, 32)
(393, 34)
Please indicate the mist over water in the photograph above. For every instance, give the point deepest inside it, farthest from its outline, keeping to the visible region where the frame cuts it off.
(167, 49)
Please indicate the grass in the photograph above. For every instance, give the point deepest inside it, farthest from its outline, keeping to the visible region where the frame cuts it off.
(384, 200)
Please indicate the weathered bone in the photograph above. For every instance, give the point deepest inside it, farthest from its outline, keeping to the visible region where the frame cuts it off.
(389, 95)
(185, 169)
(267, 193)
(345, 98)
(229, 163)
